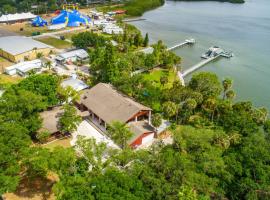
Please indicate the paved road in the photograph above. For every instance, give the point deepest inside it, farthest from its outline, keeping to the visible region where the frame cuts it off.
(58, 32)
(4, 33)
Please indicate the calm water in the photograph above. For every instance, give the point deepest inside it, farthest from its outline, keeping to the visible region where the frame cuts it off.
(243, 29)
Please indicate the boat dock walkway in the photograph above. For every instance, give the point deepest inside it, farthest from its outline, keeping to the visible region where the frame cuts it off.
(134, 20)
(199, 65)
(188, 41)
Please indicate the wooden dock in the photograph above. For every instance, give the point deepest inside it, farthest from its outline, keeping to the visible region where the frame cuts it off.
(199, 65)
(134, 20)
(188, 41)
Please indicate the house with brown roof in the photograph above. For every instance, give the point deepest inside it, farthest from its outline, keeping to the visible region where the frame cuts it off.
(106, 105)
(50, 119)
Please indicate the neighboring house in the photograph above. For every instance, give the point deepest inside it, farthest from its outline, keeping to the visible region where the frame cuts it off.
(72, 56)
(50, 119)
(23, 68)
(106, 105)
(20, 48)
(76, 84)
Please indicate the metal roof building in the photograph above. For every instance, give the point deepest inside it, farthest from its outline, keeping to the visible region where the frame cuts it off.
(76, 84)
(19, 48)
(23, 68)
(78, 54)
(16, 17)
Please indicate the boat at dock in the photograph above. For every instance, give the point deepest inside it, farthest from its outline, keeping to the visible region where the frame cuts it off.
(216, 51)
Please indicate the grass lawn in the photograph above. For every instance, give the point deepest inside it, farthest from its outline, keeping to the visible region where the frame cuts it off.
(64, 142)
(57, 43)
(155, 75)
(4, 63)
(6, 79)
(28, 29)
(69, 35)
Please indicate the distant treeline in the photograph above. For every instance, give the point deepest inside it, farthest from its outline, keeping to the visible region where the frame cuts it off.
(230, 1)
(138, 7)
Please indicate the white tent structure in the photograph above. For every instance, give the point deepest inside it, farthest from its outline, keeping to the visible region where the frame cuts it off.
(16, 17)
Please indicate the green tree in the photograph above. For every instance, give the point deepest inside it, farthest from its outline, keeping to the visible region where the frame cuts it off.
(43, 136)
(22, 107)
(164, 79)
(48, 65)
(94, 153)
(9, 9)
(169, 109)
(187, 193)
(156, 120)
(146, 40)
(41, 84)
(88, 39)
(39, 55)
(266, 126)
(206, 83)
(230, 94)
(14, 143)
(37, 163)
(249, 166)
(210, 106)
(69, 120)
(68, 94)
(227, 85)
(120, 133)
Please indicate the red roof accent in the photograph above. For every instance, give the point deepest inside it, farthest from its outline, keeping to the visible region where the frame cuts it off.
(120, 11)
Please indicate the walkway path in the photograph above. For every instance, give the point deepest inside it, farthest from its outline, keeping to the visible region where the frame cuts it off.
(59, 32)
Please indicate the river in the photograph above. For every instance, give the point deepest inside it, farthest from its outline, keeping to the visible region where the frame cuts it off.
(241, 28)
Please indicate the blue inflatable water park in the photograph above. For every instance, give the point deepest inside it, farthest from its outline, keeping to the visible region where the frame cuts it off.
(38, 22)
(71, 18)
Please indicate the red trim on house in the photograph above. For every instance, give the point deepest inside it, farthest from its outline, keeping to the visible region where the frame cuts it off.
(138, 140)
(139, 114)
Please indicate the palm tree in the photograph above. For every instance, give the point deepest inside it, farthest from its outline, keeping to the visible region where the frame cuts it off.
(188, 109)
(210, 106)
(169, 109)
(227, 84)
(120, 133)
(39, 55)
(48, 65)
(156, 120)
(230, 94)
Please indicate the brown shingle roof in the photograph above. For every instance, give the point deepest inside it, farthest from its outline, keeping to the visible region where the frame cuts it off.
(50, 119)
(109, 104)
(139, 128)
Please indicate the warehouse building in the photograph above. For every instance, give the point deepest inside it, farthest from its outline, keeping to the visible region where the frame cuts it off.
(19, 48)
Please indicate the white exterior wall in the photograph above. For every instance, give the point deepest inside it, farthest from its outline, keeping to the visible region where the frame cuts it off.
(148, 138)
